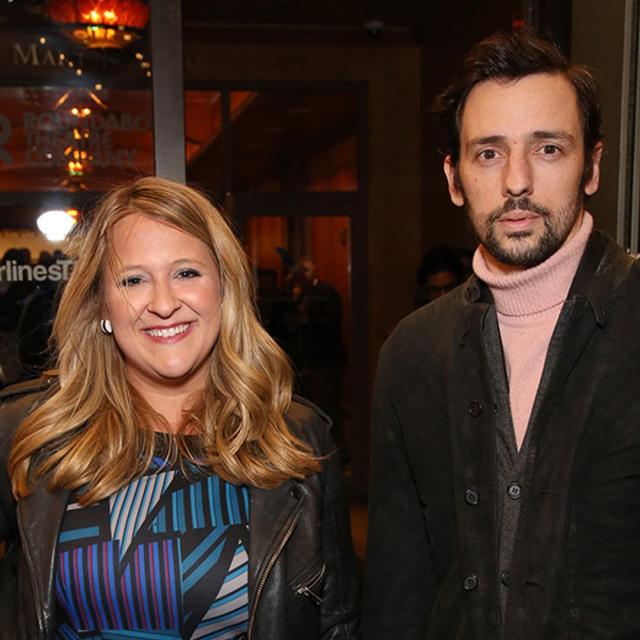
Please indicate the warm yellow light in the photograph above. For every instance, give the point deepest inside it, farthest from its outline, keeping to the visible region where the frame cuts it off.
(101, 23)
(43, 40)
(75, 111)
(75, 168)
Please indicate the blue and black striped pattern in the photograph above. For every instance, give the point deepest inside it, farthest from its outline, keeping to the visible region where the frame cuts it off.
(164, 557)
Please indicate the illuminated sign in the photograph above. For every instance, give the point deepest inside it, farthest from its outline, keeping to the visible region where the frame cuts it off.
(12, 271)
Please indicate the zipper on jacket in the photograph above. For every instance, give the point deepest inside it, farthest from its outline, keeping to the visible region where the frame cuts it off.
(308, 588)
(288, 530)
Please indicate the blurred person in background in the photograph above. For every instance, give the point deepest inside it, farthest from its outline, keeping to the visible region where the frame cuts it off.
(440, 271)
(320, 349)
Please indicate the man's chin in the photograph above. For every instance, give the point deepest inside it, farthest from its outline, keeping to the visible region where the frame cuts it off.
(519, 250)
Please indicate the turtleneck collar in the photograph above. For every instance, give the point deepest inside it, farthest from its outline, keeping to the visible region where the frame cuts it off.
(534, 290)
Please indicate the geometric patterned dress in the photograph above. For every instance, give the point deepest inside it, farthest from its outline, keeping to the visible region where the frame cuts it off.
(164, 557)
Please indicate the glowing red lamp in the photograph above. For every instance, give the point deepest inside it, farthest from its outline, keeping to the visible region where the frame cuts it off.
(101, 23)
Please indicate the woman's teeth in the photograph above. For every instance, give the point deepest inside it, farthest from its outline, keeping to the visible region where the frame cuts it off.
(168, 332)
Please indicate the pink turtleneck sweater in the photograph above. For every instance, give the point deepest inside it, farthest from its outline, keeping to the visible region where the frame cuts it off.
(528, 304)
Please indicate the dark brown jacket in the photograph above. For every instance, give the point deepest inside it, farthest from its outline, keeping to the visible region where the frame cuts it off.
(302, 572)
(432, 565)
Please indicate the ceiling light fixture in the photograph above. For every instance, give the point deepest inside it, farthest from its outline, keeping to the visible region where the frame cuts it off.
(106, 24)
(55, 224)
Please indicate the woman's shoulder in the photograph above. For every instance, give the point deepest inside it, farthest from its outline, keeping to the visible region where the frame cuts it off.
(17, 400)
(310, 424)
(26, 387)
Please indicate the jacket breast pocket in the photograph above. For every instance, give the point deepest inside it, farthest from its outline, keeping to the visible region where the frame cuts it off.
(309, 584)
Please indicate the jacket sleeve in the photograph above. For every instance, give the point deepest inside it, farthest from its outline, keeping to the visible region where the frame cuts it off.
(12, 411)
(16, 402)
(340, 611)
(398, 572)
(8, 417)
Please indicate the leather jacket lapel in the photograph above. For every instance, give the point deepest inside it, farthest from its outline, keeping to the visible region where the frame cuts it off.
(39, 519)
(272, 519)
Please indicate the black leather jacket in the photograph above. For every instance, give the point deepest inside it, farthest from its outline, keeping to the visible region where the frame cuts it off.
(302, 573)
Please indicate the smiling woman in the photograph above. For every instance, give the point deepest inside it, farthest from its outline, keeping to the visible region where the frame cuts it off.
(162, 298)
(182, 484)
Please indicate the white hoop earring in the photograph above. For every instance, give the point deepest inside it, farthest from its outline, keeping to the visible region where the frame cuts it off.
(105, 327)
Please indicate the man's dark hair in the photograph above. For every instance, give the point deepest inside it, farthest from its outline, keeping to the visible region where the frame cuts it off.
(510, 56)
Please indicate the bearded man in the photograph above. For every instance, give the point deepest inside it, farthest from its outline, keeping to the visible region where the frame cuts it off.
(505, 498)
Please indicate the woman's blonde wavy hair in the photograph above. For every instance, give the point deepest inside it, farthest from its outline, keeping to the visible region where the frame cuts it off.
(95, 432)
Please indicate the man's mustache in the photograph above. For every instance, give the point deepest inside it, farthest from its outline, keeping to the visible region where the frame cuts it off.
(521, 204)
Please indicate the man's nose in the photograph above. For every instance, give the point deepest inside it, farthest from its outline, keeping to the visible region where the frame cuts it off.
(518, 178)
(164, 300)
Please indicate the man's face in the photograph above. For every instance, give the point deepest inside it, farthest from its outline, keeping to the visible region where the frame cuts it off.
(439, 283)
(308, 269)
(520, 171)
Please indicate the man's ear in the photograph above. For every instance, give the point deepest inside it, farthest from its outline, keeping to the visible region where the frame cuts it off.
(591, 185)
(453, 181)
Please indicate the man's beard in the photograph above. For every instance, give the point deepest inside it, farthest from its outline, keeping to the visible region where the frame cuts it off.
(521, 253)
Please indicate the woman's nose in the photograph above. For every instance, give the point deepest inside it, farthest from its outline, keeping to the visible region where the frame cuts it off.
(164, 301)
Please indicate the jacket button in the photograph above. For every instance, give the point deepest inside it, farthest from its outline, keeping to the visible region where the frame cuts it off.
(470, 583)
(504, 578)
(514, 491)
(471, 293)
(475, 409)
(471, 497)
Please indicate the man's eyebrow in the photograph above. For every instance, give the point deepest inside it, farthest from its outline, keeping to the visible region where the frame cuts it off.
(553, 135)
(474, 142)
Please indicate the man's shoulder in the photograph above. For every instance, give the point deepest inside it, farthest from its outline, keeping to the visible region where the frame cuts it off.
(616, 271)
(434, 320)
(321, 287)
(428, 334)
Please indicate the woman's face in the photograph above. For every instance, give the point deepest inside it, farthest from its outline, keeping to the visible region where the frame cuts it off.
(162, 296)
